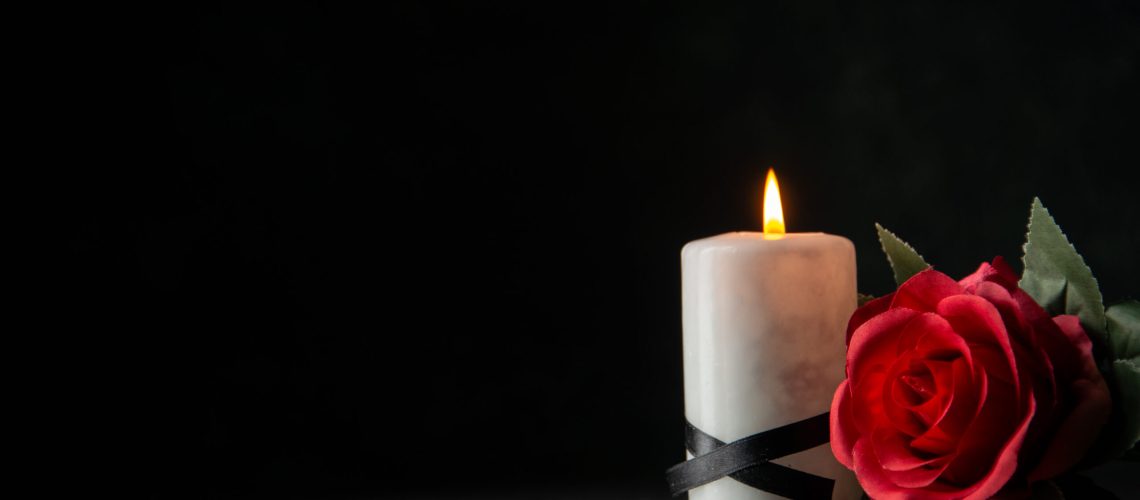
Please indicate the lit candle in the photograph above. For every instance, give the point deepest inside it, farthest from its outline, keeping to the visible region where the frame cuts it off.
(764, 317)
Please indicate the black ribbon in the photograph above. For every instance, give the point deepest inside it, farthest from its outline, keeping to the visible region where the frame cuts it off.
(747, 460)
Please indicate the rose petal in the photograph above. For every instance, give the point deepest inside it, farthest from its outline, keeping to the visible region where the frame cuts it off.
(1077, 433)
(1071, 327)
(982, 442)
(1015, 322)
(907, 388)
(868, 311)
(978, 321)
(919, 390)
(871, 475)
(1003, 274)
(878, 484)
(993, 480)
(867, 401)
(999, 272)
(1063, 350)
(919, 477)
(933, 338)
(971, 388)
(900, 463)
(1030, 309)
(933, 411)
(1037, 373)
(970, 282)
(1046, 377)
(923, 291)
(994, 362)
(1006, 463)
(940, 341)
(900, 416)
(843, 431)
(895, 453)
(871, 342)
(935, 441)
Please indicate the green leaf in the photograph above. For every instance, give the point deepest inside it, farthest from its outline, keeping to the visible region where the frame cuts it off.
(905, 261)
(864, 299)
(1057, 277)
(1124, 330)
(1127, 376)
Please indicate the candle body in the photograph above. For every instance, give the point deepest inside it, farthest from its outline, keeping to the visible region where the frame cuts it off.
(764, 324)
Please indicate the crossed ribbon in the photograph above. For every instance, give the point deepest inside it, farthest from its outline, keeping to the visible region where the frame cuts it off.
(748, 460)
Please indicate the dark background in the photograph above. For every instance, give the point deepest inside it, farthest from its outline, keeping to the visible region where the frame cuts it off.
(428, 248)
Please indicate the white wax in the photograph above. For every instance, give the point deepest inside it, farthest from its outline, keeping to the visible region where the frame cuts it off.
(764, 324)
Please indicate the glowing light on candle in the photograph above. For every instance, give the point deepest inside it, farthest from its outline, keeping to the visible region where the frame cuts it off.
(773, 209)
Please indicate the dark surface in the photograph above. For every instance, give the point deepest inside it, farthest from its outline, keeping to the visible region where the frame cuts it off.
(332, 244)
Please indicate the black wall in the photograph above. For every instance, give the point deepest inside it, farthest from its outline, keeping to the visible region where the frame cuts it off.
(428, 247)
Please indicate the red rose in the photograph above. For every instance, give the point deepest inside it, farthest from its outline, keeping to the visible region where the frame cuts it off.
(958, 389)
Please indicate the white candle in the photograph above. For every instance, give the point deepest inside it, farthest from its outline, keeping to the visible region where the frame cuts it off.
(764, 319)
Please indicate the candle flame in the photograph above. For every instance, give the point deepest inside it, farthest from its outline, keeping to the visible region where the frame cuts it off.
(773, 209)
